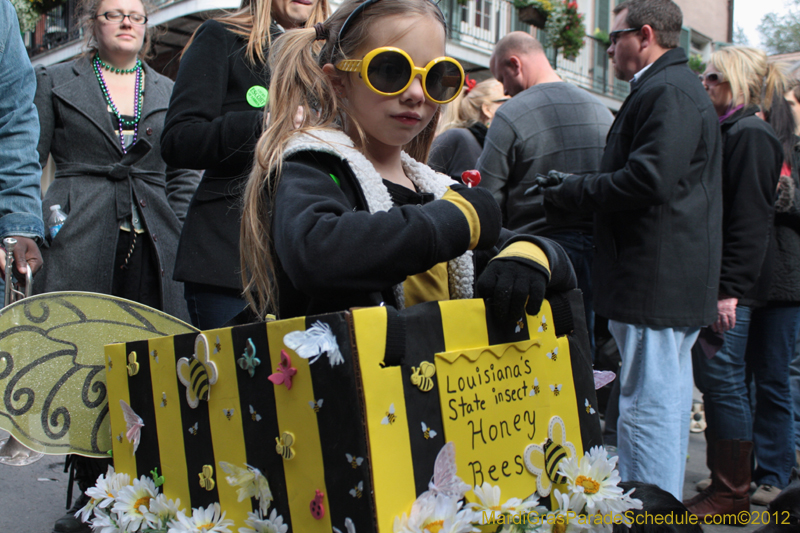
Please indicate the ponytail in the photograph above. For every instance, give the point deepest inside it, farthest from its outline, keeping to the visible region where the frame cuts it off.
(775, 84)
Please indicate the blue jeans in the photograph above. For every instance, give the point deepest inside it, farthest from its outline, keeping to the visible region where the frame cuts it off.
(722, 380)
(579, 248)
(210, 307)
(794, 384)
(770, 347)
(655, 403)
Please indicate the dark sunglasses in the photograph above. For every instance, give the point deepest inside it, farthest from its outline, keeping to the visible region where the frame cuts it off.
(614, 35)
(390, 71)
(711, 77)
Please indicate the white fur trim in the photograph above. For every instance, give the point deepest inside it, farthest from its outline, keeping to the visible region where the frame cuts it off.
(461, 272)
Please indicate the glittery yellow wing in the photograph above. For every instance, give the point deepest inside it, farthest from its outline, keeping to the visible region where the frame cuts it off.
(52, 366)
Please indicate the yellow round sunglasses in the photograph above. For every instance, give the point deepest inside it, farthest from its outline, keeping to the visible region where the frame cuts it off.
(390, 71)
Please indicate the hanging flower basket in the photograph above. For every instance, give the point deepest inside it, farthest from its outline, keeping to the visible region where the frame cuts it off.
(533, 16)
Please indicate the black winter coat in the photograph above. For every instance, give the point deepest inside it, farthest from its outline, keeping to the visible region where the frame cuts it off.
(211, 124)
(751, 164)
(785, 245)
(657, 203)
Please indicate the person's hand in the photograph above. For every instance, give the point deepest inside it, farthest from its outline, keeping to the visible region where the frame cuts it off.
(541, 182)
(26, 255)
(726, 315)
(512, 287)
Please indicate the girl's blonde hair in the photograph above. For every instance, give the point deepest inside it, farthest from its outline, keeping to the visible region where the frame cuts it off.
(753, 80)
(467, 108)
(253, 21)
(299, 81)
(87, 22)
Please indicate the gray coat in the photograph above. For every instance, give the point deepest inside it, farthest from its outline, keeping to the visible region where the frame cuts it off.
(95, 180)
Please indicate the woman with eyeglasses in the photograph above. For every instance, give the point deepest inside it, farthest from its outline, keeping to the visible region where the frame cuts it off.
(749, 328)
(215, 117)
(463, 126)
(101, 117)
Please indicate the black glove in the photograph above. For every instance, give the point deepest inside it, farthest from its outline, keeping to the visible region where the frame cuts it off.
(512, 286)
(553, 178)
(485, 208)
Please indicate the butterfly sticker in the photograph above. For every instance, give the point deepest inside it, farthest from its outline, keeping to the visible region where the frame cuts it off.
(588, 407)
(193, 429)
(133, 365)
(217, 346)
(543, 327)
(543, 460)
(427, 432)
(251, 483)
(535, 389)
(358, 490)
(254, 415)
(248, 361)
(445, 482)
(285, 371)
(355, 462)
(134, 424)
(228, 413)
(207, 477)
(197, 373)
(349, 526)
(603, 378)
(316, 406)
(390, 416)
(154, 355)
(313, 342)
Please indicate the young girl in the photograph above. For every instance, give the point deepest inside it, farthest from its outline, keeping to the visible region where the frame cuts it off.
(357, 219)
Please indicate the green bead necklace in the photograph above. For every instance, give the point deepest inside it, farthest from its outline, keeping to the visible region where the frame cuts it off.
(137, 103)
(116, 70)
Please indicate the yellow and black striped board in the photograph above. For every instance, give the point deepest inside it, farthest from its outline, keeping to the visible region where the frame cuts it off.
(356, 428)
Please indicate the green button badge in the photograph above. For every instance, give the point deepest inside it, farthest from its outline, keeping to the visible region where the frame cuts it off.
(257, 96)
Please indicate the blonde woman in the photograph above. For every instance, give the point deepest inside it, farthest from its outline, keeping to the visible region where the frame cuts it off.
(462, 130)
(214, 120)
(752, 330)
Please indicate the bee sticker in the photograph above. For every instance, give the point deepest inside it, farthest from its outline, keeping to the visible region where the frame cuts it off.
(355, 462)
(316, 505)
(520, 324)
(588, 406)
(207, 477)
(284, 445)
(421, 376)
(357, 491)
(427, 432)
(110, 363)
(543, 327)
(119, 437)
(163, 399)
(535, 389)
(228, 413)
(543, 460)
(248, 361)
(197, 373)
(217, 346)
(556, 389)
(154, 355)
(254, 415)
(133, 365)
(193, 429)
(316, 406)
(390, 416)
(553, 356)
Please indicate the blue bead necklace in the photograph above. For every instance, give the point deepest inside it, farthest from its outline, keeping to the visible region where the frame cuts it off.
(137, 103)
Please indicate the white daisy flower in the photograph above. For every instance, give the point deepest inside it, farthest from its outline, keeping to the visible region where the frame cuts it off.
(273, 524)
(593, 481)
(133, 501)
(108, 485)
(162, 511)
(564, 519)
(489, 501)
(104, 523)
(439, 514)
(203, 520)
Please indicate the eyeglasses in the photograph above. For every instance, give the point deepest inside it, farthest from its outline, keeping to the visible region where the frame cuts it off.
(390, 71)
(117, 17)
(501, 100)
(614, 35)
(711, 78)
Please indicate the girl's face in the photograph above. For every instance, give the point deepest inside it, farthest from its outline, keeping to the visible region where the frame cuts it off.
(121, 37)
(718, 89)
(292, 13)
(389, 122)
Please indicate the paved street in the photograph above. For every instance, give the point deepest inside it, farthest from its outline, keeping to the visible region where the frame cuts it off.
(33, 497)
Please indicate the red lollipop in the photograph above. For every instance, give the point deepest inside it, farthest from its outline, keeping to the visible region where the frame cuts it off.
(471, 177)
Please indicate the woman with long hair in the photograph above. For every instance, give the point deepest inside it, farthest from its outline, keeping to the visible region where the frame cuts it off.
(738, 79)
(214, 120)
(101, 117)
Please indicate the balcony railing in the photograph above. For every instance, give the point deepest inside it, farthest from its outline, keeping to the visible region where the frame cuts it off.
(56, 27)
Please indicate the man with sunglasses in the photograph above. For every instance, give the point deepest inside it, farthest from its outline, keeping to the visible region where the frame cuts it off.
(548, 124)
(657, 204)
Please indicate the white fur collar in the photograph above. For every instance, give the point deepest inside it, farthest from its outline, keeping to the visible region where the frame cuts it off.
(461, 272)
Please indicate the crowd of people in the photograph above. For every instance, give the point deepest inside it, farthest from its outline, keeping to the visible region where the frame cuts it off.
(284, 172)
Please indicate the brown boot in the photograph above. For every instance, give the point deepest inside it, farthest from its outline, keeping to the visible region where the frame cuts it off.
(730, 481)
(711, 442)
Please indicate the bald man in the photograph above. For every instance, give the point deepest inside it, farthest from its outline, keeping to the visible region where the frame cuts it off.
(546, 125)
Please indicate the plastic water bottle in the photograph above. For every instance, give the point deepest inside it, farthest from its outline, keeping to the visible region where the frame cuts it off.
(57, 218)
